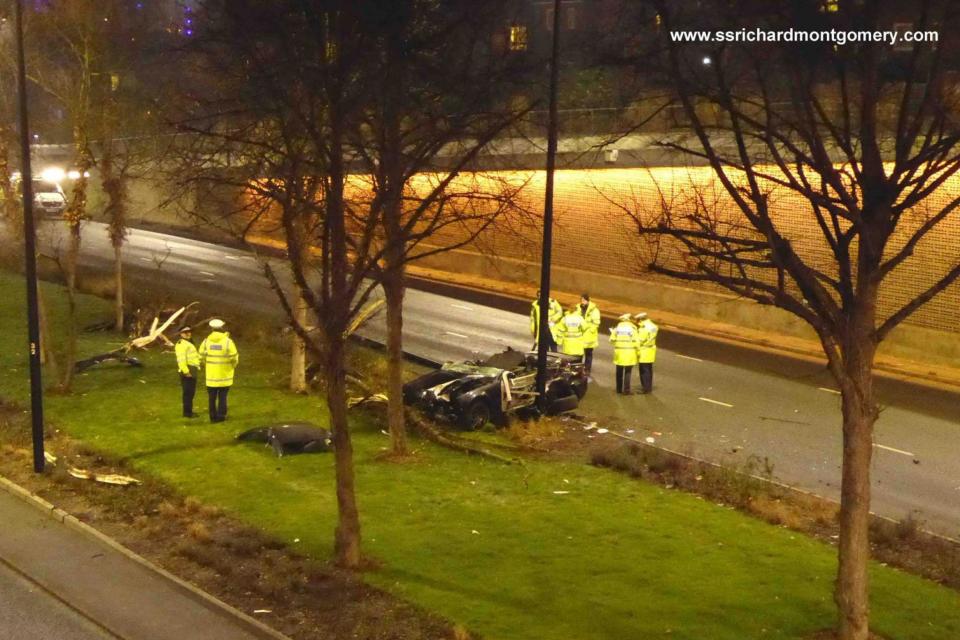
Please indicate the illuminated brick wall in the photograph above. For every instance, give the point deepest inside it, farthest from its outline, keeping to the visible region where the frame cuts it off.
(595, 234)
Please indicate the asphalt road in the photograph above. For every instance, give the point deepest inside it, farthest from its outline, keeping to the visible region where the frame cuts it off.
(30, 613)
(711, 399)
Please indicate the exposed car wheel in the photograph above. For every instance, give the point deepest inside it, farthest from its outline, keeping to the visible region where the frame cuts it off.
(580, 388)
(475, 415)
(559, 398)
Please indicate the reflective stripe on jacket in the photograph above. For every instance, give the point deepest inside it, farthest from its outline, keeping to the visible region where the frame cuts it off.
(187, 356)
(570, 332)
(623, 337)
(220, 356)
(591, 334)
(647, 339)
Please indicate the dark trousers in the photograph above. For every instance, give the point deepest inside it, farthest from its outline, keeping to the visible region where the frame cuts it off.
(188, 386)
(646, 376)
(623, 378)
(588, 359)
(218, 403)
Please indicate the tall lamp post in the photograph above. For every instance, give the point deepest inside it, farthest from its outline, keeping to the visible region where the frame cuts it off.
(30, 253)
(545, 258)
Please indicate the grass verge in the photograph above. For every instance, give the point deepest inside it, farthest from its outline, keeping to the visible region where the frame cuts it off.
(548, 549)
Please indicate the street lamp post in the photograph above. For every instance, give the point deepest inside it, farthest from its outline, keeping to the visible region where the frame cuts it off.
(545, 259)
(30, 254)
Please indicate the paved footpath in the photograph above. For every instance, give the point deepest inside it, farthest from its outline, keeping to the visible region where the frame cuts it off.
(70, 584)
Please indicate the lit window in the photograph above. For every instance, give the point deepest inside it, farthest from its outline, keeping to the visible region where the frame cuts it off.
(830, 6)
(518, 38)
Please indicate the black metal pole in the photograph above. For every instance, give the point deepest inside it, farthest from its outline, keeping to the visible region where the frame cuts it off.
(30, 251)
(545, 259)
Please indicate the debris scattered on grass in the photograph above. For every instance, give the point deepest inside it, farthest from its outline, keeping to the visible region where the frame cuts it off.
(361, 400)
(263, 610)
(104, 478)
(560, 493)
(603, 431)
(475, 532)
(650, 440)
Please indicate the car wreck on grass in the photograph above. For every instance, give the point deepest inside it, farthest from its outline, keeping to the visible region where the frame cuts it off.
(471, 393)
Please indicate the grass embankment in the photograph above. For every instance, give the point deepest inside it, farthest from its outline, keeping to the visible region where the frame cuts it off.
(487, 545)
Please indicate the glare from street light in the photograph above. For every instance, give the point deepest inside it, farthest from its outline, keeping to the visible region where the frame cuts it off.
(706, 60)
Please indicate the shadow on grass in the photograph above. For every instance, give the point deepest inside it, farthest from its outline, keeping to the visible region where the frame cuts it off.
(172, 448)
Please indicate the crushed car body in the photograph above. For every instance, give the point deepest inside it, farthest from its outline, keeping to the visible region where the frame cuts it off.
(470, 393)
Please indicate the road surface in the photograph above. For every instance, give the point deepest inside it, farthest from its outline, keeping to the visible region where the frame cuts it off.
(30, 613)
(711, 399)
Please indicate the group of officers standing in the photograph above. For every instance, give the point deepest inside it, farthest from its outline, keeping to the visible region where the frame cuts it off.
(576, 332)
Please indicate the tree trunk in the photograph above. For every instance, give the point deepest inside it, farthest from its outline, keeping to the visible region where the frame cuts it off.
(859, 416)
(118, 280)
(70, 352)
(46, 346)
(394, 288)
(298, 354)
(347, 535)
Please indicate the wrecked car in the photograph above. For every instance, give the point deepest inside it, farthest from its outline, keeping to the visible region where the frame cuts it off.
(472, 392)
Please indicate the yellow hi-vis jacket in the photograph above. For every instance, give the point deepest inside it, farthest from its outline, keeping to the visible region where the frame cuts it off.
(553, 317)
(647, 340)
(220, 355)
(623, 337)
(187, 356)
(570, 332)
(591, 334)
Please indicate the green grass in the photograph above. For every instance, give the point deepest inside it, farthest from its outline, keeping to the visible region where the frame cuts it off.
(486, 545)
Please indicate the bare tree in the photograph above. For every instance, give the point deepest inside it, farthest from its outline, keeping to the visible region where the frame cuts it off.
(859, 138)
(443, 96)
(278, 92)
(68, 67)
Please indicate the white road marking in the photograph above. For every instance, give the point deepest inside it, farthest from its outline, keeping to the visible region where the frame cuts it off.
(722, 404)
(207, 273)
(456, 335)
(227, 257)
(900, 451)
(828, 390)
(461, 306)
(680, 355)
(146, 259)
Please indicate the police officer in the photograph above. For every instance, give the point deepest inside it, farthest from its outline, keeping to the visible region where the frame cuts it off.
(188, 365)
(554, 315)
(220, 356)
(623, 337)
(591, 336)
(570, 333)
(647, 349)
